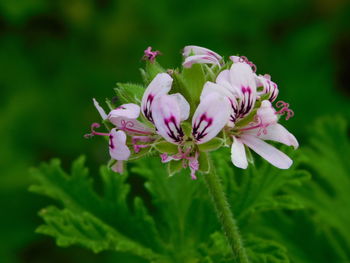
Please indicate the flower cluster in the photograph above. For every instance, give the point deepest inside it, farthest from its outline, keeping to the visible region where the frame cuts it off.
(209, 104)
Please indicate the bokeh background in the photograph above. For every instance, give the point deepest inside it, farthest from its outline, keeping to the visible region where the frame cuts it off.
(56, 55)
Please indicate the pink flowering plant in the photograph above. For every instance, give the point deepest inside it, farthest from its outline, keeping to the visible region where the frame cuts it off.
(200, 121)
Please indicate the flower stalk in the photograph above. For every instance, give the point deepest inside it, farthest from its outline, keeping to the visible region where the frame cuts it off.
(225, 215)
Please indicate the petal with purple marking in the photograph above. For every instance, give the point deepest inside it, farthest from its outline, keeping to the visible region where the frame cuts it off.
(160, 85)
(196, 50)
(124, 118)
(210, 117)
(117, 145)
(210, 87)
(268, 152)
(268, 86)
(243, 83)
(167, 118)
(200, 59)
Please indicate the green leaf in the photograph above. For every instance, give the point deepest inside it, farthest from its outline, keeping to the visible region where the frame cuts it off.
(73, 228)
(212, 145)
(129, 93)
(88, 218)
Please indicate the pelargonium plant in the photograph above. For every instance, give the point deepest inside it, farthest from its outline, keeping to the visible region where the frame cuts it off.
(183, 114)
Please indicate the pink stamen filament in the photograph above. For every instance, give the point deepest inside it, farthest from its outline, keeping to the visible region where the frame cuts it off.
(125, 127)
(261, 126)
(93, 132)
(284, 109)
(246, 60)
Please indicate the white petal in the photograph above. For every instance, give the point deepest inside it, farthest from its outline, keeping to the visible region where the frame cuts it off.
(242, 76)
(280, 134)
(160, 85)
(201, 59)
(235, 59)
(117, 145)
(196, 50)
(183, 104)
(242, 81)
(130, 111)
(210, 87)
(268, 152)
(100, 109)
(167, 117)
(238, 154)
(210, 117)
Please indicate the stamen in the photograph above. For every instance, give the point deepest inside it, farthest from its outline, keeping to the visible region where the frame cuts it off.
(150, 55)
(246, 60)
(284, 109)
(93, 132)
(261, 126)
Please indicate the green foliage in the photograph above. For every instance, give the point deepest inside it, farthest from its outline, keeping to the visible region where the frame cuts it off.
(129, 93)
(182, 227)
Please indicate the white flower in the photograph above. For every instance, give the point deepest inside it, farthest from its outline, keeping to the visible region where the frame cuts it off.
(254, 136)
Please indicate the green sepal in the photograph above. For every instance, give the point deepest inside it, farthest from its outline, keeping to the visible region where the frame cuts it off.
(166, 147)
(248, 119)
(204, 165)
(180, 86)
(249, 155)
(151, 70)
(187, 128)
(265, 97)
(129, 92)
(194, 78)
(110, 163)
(174, 167)
(212, 145)
(110, 104)
(142, 153)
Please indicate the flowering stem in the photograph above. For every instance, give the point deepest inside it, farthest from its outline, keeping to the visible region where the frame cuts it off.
(228, 223)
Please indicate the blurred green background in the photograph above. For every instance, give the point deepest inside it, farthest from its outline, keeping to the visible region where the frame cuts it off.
(56, 55)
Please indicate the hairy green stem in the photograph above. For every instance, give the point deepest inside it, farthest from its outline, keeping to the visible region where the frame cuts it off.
(225, 215)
